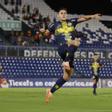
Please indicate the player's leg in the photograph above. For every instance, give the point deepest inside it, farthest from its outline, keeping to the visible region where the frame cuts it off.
(94, 86)
(67, 75)
(76, 42)
(62, 80)
(62, 53)
(67, 72)
(95, 81)
(59, 83)
(70, 52)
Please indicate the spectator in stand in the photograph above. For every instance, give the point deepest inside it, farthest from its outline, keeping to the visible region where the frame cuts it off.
(13, 38)
(24, 9)
(3, 81)
(29, 37)
(19, 41)
(16, 9)
(13, 11)
(37, 38)
(28, 9)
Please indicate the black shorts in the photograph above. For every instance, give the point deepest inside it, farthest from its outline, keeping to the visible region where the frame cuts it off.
(96, 77)
(63, 50)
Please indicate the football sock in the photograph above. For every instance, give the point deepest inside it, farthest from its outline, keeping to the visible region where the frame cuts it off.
(94, 88)
(58, 84)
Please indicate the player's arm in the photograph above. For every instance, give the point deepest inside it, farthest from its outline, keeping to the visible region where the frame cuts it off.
(90, 66)
(88, 17)
(49, 31)
(101, 65)
(45, 31)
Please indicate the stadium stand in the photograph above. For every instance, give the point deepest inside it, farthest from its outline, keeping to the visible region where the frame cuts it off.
(94, 33)
(4, 15)
(21, 67)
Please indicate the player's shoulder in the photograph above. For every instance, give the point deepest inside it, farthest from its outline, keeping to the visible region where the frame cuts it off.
(52, 24)
(73, 19)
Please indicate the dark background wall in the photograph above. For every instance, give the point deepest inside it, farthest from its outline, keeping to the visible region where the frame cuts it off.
(82, 6)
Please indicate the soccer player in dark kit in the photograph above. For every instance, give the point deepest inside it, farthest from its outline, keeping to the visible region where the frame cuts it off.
(67, 43)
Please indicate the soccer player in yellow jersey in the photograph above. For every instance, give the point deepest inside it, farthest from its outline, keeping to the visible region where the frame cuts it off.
(95, 66)
(67, 43)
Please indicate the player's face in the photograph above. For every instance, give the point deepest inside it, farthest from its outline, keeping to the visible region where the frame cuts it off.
(96, 57)
(62, 15)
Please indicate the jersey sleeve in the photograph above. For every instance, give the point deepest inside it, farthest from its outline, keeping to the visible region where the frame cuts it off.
(100, 64)
(74, 21)
(51, 27)
(91, 63)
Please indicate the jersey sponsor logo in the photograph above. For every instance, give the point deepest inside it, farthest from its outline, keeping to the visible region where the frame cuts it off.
(69, 24)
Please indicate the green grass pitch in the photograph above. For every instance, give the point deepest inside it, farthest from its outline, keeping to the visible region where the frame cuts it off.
(64, 100)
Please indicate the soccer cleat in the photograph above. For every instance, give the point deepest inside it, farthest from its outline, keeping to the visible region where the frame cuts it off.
(48, 95)
(66, 65)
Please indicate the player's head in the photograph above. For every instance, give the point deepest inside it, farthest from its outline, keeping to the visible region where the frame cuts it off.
(96, 56)
(62, 14)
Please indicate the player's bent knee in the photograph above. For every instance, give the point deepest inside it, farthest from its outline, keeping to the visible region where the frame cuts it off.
(66, 77)
(77, 43)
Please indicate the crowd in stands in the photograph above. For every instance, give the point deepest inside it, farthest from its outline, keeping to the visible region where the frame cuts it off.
(33, 19)
(28, 38)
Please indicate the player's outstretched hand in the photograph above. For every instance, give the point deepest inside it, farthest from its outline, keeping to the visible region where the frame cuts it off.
(97, 16)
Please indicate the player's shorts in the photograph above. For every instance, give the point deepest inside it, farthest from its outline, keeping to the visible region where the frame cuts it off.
(63, 50)
(96, 77)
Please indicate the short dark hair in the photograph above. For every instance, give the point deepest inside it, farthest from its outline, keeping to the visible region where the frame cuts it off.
(62, 8)
(96, 54)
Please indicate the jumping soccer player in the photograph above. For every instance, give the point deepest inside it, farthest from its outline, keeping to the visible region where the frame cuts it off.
(67, 42)
(95, 66)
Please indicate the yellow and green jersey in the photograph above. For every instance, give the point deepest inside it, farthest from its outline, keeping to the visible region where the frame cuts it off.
(64, 31)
